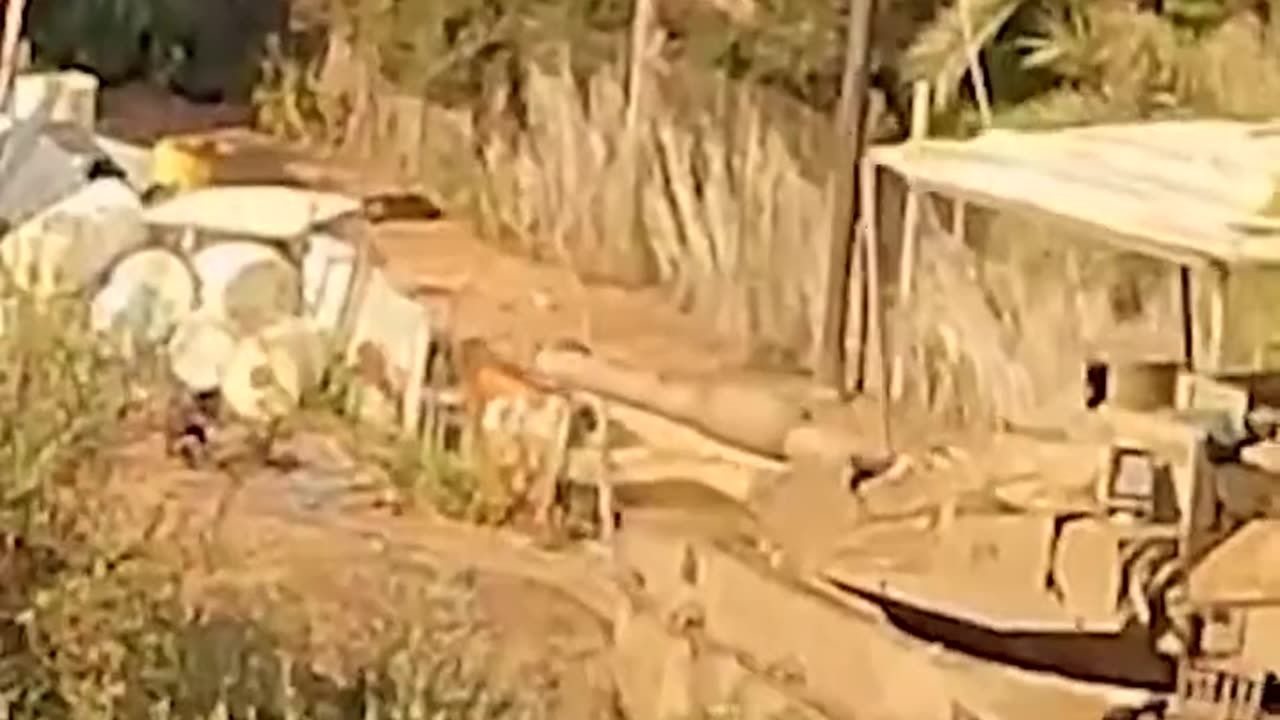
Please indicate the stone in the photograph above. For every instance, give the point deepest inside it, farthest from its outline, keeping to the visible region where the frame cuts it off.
(1263, 455)
(652, 669)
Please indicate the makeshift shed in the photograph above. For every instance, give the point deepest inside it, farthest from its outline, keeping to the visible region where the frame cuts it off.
(1189, 193)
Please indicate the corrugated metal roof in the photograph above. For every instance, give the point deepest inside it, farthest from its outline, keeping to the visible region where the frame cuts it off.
(1188, 191)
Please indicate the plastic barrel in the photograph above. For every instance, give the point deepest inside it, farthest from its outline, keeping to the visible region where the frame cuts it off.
(271, 370)
(248, 284)
(200, 350)
(145, 296)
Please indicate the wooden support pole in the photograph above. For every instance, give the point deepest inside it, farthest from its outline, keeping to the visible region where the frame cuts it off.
(1216, 278)
(638, 53)
(910, 233)
(1205, 312)
(1186, 304)
(851, 121)
(13, 14)
(875, 314)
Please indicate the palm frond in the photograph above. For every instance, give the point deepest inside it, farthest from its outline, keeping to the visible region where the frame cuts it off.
(1064, 107)
(939, 53)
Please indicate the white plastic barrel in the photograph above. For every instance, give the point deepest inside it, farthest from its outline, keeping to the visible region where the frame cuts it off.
(271, 370)
(69, 244)
(144, 296)
(249, 284)
(328, 272)
(200, 350)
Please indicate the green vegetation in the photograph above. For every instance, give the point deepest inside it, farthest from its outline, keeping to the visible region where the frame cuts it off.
(1057, 62)
(204, 50)
(93, 624)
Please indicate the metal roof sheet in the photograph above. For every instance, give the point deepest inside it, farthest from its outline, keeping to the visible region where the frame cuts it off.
(1187, 191)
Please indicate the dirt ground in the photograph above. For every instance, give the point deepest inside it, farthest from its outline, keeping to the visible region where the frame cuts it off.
(348, 559)
(345, 559)
(313, 547)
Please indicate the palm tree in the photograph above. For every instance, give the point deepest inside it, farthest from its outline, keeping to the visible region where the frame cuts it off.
(1054, 62)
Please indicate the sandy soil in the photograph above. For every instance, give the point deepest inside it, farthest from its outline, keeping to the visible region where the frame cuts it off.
(315, 547)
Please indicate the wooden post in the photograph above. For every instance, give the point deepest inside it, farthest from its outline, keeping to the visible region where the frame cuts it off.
(874, 312)
(605, 506)
(1216, 278)
(1208, 295)
(1187, 306)
(14, 10)
(910, 233)
(851, 123)
(641, 22)
(641, 30)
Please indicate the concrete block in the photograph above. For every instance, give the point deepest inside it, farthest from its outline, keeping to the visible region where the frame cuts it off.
(847, 663)
(328, 274)
(1181, 444)
(1263, 455)
(390, 339)
(722, 687)
(1200, 394)
(75, 96)
(1087, 568)
(72, 243)
(653, 670)
(270, 212)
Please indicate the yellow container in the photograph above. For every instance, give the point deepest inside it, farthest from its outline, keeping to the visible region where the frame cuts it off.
(183, 163)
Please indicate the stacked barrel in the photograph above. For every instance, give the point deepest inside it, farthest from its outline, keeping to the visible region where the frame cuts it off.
(254, 292)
